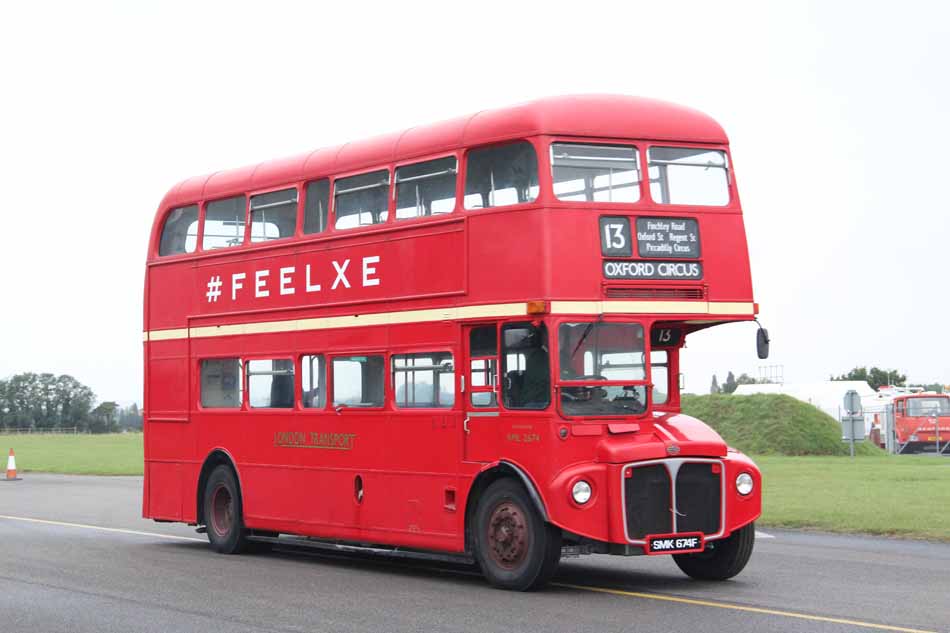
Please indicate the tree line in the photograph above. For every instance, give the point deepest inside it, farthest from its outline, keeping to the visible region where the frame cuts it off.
(874, 376)
(732, 383)
(49, 402)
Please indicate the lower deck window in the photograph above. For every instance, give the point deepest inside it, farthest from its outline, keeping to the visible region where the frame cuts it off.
(424, 380)
(221, 384)
(358, 381)
(270, 384)
(313, 378)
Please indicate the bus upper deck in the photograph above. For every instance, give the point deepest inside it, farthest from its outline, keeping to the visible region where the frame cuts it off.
(596, 204)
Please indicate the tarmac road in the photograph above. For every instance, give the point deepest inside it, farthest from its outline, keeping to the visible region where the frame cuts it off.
(76, 557)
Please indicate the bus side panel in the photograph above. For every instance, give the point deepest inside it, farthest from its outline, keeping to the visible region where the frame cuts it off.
(726, 257)
(165, 491)
(168, 393)
(167, 430)
(170, 295)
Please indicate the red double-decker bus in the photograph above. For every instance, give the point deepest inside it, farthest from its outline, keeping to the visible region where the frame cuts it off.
(462, 339)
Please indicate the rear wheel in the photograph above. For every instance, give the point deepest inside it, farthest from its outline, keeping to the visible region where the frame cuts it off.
(513, 545)
(722, 559)
(223, 512)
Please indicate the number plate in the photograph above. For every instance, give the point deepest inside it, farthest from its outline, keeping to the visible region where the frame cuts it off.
(674, 543)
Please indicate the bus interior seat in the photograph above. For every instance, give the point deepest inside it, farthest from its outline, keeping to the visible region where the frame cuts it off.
(282, 392)
(515, 386)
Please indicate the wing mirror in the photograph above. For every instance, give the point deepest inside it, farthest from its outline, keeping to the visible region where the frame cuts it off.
(762, 341)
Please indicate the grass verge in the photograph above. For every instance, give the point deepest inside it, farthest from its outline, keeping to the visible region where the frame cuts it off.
(907, 496)
(108, 454)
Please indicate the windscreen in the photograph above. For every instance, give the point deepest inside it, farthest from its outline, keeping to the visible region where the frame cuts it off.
(593, 352)
(926, 407)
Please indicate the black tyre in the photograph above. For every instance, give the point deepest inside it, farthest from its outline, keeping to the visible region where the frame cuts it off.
(722, 559)
(223, 512)
(513, 545)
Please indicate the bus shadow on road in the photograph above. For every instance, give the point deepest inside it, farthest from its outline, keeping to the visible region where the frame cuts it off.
(587, 571)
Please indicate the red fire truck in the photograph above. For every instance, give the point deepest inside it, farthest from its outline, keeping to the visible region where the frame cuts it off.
(459, 340)
(922, 423)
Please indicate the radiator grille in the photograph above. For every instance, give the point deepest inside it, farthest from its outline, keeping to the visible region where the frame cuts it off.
(647, 292)
(648, 499)
(698, 492)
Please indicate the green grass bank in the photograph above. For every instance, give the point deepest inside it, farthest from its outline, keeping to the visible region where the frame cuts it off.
(108, 454)
(772, 424)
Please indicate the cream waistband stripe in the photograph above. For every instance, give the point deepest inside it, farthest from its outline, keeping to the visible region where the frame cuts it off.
(497, 310)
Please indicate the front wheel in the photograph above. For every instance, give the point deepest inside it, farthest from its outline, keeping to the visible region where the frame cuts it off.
(722, 559)
(223, 512)
(513, 545)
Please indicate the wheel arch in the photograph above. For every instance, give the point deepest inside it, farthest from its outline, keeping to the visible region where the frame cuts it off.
(492, 473)
(217, 457)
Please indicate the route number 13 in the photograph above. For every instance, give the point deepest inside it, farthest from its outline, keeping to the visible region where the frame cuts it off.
(615, 237)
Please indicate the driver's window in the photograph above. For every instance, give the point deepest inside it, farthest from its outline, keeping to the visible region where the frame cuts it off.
(526, 367)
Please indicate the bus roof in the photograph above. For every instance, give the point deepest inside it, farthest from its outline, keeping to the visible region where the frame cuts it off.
(607, 116)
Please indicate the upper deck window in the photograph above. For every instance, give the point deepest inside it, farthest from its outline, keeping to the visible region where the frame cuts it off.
(361, 200)
(595, 173)
(426, 188)
(317, 207)
(501, 175)
(273, 215)
(180, 232)
(224, 223)
(688, 175)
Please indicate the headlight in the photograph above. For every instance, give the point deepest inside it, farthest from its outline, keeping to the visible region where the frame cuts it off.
(744, 484)
(581, 492)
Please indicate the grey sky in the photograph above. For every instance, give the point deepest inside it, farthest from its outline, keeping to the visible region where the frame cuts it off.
(836, 112)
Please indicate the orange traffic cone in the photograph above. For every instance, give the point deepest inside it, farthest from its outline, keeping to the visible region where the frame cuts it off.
(11, 467)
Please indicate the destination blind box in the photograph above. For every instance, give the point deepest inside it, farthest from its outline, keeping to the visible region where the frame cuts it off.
(662, 244)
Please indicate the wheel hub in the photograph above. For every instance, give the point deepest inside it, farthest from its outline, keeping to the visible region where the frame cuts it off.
(222, 511)
(507, 535)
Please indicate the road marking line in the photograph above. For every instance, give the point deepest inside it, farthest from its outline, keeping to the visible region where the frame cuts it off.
(101, 529)
(762, 535)
(737, 607)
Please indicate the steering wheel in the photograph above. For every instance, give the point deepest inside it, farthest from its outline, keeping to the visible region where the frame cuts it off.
(592, 377)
